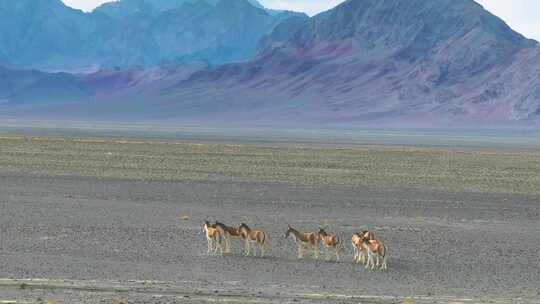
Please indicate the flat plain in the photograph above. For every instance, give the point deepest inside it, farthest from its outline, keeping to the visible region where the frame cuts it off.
(97, 220)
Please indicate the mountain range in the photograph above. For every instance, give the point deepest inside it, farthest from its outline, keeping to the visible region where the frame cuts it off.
(50, 36)
(231, 62)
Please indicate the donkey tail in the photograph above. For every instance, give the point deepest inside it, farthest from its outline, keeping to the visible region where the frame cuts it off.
(384, 251)
(263, 238)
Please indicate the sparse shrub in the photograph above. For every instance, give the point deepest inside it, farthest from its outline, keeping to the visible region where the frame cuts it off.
(184, 217)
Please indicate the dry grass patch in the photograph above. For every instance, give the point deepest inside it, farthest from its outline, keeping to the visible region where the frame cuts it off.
(413, 168)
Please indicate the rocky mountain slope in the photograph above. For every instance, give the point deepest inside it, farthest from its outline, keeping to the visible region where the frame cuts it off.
(414, 61)
(50, 36)
(365, 62)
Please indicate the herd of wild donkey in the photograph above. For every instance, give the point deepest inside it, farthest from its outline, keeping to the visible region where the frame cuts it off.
(367, 249)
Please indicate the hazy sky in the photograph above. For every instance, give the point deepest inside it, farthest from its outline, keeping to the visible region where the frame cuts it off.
(521, 15)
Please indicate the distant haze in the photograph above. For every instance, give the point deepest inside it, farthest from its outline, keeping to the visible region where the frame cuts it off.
(522, 15)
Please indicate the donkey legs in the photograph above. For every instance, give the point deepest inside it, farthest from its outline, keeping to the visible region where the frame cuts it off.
(300, 253)
(254, 249)
(213, 246)
(359, 256)
(369, 259)
(365, 257)
(261, 249)
(377, 261)
(227, 244)
(209, 251)
(220, 247)
(328, 257)
(246, 247)
(384, 256)
(384, 266)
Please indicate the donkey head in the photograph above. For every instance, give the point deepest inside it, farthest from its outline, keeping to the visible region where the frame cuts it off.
(289, 231)
(205, 226)
(368, 235)
(243, 229)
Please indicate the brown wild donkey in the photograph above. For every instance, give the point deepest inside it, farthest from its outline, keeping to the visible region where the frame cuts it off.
(228, 233)
(360, 254)
(376, 252)
(330, 241)
(252, 236)
(307, 239)
(213, 237)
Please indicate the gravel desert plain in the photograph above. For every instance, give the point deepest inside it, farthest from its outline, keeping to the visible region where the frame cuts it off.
(87, 218)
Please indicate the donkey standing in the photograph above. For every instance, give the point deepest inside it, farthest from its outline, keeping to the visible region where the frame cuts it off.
(307, 240)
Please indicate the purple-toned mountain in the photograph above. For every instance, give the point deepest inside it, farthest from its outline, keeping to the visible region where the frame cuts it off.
(365, 62)
(440, 62)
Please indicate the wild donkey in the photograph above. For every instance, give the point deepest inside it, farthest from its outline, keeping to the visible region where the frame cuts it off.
(360, 254)
(376, 252)
(252, 236)
(213, 237)
(228, 233)
(330, 241)
(308, 240)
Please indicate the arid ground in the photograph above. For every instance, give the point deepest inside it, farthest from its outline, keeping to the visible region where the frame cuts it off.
(113, 220)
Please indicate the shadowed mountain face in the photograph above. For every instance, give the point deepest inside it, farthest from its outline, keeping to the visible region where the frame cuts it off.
(48, 35)
(31, 90)
(31, 31)
(125, 8)
(365, 62)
